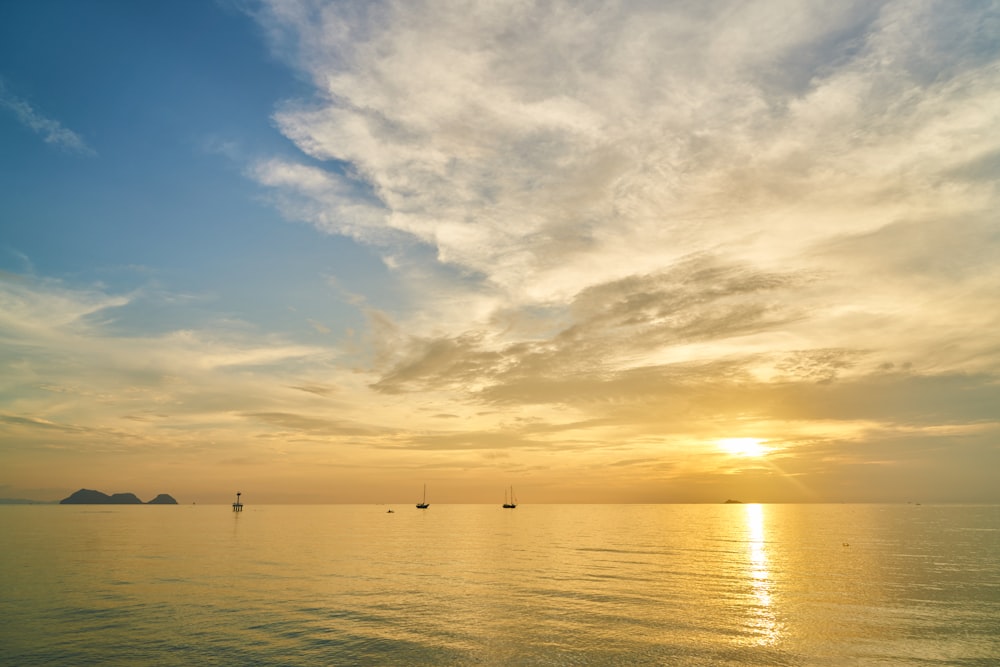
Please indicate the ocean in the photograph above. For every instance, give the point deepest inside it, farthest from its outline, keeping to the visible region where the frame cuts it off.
(480, 585)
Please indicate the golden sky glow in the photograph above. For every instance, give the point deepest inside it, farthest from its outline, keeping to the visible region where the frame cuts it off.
(604, 252)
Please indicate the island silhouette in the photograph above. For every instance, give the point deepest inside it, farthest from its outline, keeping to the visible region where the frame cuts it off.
(91, 497)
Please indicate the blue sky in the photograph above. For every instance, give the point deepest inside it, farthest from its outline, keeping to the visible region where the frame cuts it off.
(629, 251)
(165, 102)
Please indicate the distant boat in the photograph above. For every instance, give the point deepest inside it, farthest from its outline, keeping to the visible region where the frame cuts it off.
(423, 504)
(512, 503)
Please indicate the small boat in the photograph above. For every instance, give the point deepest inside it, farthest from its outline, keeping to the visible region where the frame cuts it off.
(390, 511)
(512, 503)
(423, 504)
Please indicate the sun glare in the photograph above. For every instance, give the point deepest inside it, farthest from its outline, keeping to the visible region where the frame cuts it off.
(743, 446)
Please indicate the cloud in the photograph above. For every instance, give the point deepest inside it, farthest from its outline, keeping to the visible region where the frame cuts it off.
(298, 422)
(606, 328)
(662, 219)
(67, 367)
(51, 131)
(551, 147)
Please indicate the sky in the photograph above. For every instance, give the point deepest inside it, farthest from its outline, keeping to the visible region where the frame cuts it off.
(615, 251)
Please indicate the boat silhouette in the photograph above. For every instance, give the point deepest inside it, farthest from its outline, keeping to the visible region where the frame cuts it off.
(512, 503)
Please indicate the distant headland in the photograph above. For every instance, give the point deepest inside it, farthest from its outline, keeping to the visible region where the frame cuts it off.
(90, 497)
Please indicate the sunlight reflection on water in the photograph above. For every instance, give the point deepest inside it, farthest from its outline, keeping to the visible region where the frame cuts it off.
(766, 629)
(455, 585)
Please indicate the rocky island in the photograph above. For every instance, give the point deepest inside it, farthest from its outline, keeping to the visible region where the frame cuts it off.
(90, 497)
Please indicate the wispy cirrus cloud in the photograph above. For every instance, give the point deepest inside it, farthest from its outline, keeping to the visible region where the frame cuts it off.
(52, 131)
(546, 150)
(66, 364)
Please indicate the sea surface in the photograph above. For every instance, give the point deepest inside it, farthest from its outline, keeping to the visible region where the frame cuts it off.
(480, 585)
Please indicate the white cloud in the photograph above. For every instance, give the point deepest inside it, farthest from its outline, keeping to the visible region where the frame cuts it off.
(32, 310)
(59, 341)
(552, 147)
(51, 130)
(547, 149)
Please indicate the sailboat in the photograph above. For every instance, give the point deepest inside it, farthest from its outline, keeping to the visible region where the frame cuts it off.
(509, 504)
(423, 504)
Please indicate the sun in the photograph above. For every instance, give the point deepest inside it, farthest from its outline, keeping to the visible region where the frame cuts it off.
(743, 446)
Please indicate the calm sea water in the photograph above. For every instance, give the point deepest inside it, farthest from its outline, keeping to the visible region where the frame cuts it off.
(479, 585)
